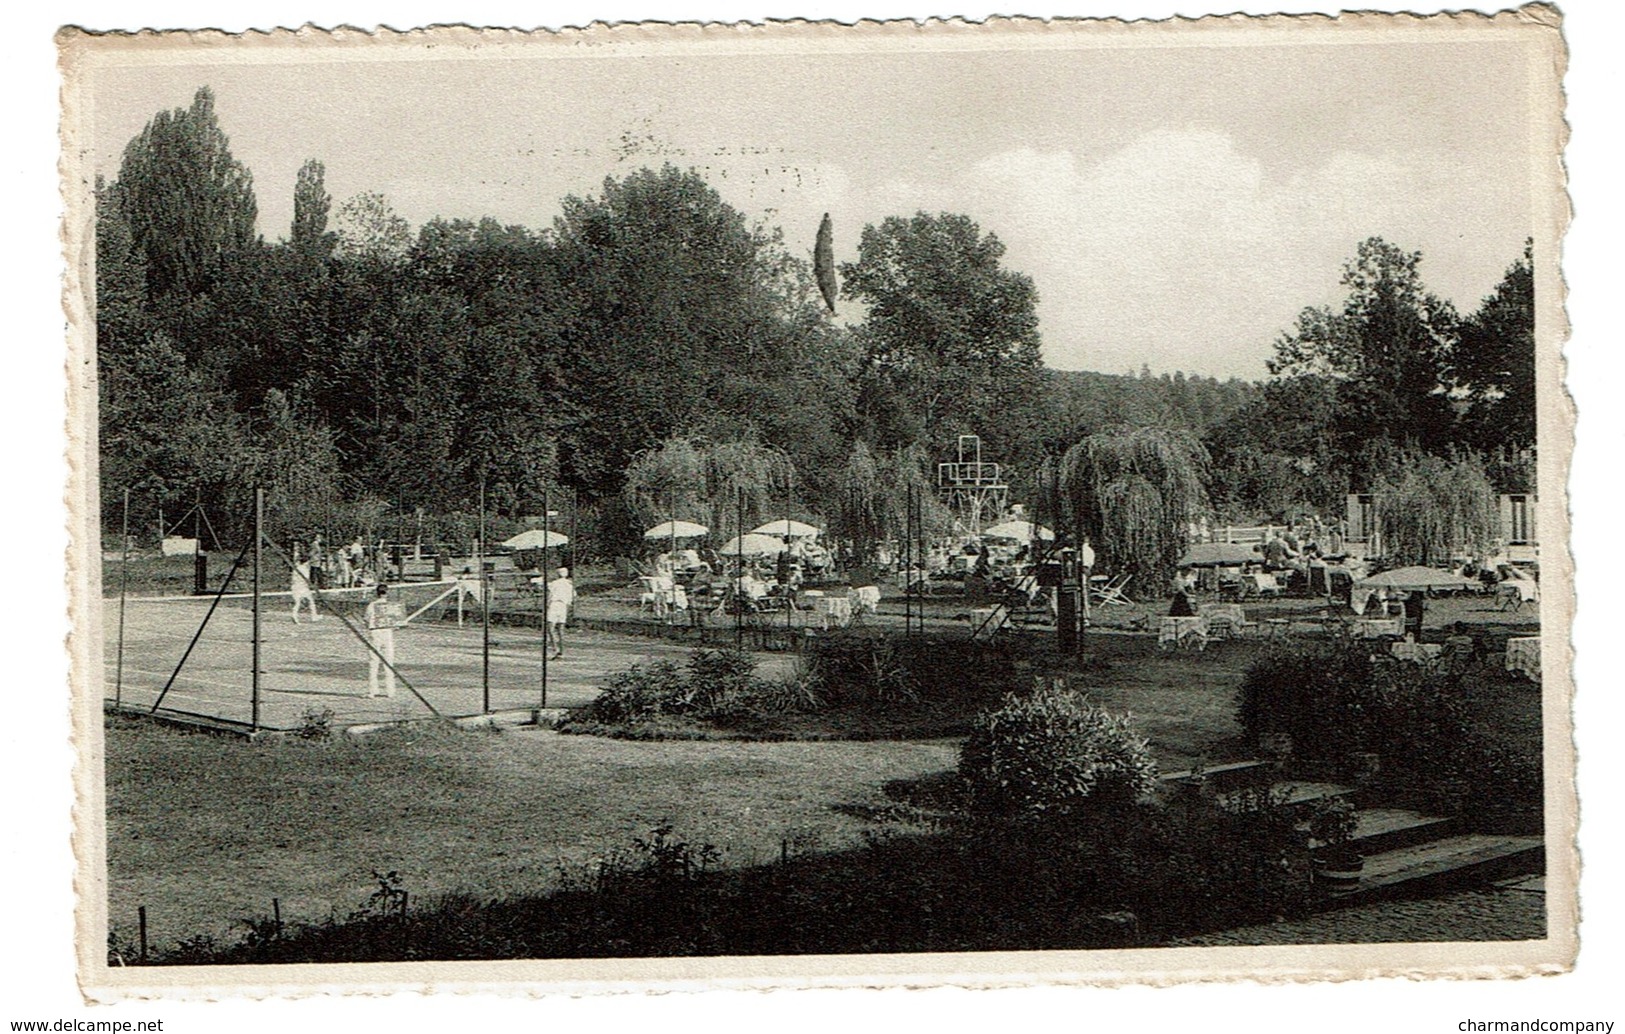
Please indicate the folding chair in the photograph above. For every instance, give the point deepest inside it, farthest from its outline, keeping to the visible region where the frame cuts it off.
(986, 621)
(1111, 593)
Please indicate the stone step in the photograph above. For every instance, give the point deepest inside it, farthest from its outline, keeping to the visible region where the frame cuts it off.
(1448, 863)
(1386, 829)
(1302, 794)
(1232, 775)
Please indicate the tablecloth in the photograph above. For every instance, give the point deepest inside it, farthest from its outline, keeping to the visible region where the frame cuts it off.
(1523, 656)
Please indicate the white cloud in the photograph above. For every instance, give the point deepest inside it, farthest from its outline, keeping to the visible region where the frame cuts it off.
(1182, 252)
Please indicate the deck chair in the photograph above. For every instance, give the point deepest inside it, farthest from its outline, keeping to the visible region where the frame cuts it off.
(1514, 593)
(1110, 593)
(986, 621)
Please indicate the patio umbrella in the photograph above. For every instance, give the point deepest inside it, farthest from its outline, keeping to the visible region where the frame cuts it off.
(753, 545)
(1219, 554)
(1021, 531)
(676, 530)
(781, 528)
(1416, 579)
(536, 538)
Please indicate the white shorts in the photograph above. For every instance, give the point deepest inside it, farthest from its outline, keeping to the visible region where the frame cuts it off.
(558, 613)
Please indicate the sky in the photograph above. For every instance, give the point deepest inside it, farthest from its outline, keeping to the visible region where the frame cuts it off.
(1176, 206)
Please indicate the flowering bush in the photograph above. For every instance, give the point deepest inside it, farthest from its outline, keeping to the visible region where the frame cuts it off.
(1053, 751)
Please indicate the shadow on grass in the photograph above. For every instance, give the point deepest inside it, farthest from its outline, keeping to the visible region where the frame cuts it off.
(1135, 877)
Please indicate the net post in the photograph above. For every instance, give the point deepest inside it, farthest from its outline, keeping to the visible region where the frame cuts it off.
(485, 612)
(254, 682)
(545, 595)
(908, 556)
(789, 597)
(739, 604)
(123, 587)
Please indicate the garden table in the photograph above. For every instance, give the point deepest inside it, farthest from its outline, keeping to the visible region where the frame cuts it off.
(1377, 628)
(1181, 632)
(1416, 651)
(833, 610)
(1523, 656)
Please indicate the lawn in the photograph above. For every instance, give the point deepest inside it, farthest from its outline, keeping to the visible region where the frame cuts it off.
(205, 831)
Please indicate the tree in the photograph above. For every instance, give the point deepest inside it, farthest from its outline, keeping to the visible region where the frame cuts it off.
(370, 232)
(1275, 455)
(122, 321)
(1431, 509)
(188, 203)
(311, 204)
(698, 480)
(1389, 349)
(952, 334)
(1135, 492)
(685, 320)
(165, 434)
(1495, 361)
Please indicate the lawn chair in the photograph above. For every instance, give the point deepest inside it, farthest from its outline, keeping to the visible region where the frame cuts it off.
(1110, 593)
(1513, 593)
(986, 621)
(1261, 584)
(1227, 621)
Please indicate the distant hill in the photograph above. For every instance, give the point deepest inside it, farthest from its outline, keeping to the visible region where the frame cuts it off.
(1081, 401)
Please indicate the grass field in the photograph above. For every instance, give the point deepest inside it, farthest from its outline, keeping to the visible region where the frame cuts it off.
(204, 830)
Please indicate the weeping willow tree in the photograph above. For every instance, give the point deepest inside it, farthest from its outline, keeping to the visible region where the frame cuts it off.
(1431, 509)
(693, 479)
(873, 493)
(860, 513)
(1134, 491)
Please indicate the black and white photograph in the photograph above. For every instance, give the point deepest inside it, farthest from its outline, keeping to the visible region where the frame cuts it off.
(941, 500)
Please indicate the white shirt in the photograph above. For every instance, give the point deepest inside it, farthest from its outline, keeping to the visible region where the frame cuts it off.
(561, 591)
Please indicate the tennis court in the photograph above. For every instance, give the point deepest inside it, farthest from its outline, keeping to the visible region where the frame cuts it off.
(311, 667)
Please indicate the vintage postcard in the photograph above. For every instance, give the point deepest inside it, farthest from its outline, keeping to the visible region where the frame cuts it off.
(904, 503)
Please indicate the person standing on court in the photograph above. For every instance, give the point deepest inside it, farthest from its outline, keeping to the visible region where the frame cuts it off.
(561, 596)
(1086, 567)
(304, 590)
(381, 618)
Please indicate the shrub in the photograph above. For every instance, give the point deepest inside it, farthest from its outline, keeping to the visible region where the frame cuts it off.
(865, 667)
(1318, 698)
(640, 692)
(316, 724)
(1337, 702)
(716, 675)
(1333, 821)
(1053, 751)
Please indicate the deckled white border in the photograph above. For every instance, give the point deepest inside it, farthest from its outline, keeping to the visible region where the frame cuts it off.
(1161, 965)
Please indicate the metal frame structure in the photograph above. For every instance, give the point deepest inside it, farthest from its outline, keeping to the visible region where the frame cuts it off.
(973, 490)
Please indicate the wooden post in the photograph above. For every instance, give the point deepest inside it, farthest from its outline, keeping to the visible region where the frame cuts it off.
(141, 918)
(485, 614)
(276, 915)
(254, 680)
(123, 587)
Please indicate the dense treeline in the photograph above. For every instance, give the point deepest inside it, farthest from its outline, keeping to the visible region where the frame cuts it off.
(358, 369)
